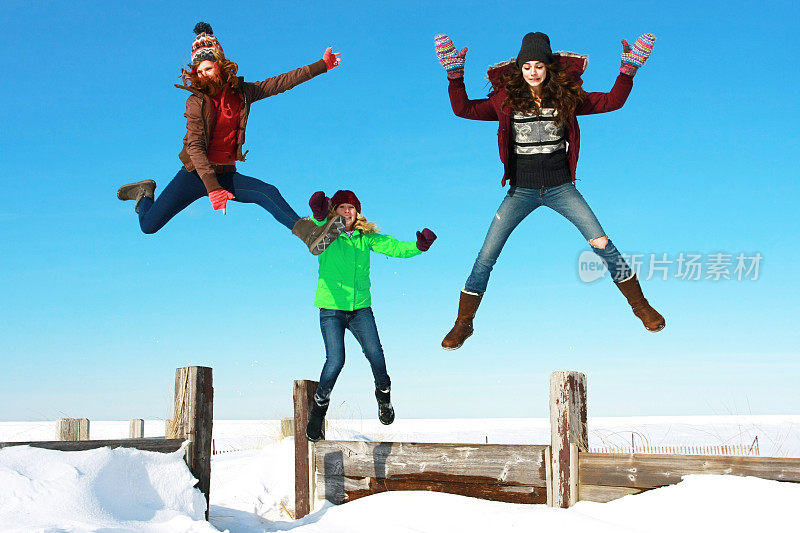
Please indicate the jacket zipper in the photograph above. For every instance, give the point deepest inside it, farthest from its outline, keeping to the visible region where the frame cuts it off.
(247, 115)
(355, 274)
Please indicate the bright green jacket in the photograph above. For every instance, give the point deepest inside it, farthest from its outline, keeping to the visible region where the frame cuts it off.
(344, 268)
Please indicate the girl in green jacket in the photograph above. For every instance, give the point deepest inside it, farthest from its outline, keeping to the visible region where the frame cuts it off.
(344, 299)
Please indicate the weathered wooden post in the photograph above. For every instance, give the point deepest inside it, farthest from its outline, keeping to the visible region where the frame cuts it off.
(569, 434)
(303, 482)
(192, 419)
(72, 429)
(136, 428)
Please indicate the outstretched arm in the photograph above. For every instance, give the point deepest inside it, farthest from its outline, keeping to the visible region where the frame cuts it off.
(293, 78)
(386, 245)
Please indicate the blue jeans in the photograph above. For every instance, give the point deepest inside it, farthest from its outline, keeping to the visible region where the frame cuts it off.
(518, 204)
(361, 323)
(186, 187)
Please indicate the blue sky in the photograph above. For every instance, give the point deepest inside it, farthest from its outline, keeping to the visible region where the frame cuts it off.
(96, 316)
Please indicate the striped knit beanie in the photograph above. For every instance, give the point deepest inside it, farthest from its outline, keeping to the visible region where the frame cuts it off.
(205, 47)
(346, 197)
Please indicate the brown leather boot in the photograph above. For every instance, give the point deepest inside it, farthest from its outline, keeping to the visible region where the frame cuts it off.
(651, 318)
(317, 238)
(467, 306)
(137, 191)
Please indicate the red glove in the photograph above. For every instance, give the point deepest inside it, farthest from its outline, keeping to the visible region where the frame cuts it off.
(331, 58)
(424, 239)
(319, 205)
(219, 199)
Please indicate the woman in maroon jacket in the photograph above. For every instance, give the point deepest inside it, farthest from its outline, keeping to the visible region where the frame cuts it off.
(536, 99)
(216, 118)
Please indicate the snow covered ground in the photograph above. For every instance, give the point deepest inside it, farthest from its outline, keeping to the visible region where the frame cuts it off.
(253, 490)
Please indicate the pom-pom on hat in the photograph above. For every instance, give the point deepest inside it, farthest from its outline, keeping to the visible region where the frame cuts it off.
(205, 47)
(535, 47)
(346, 197)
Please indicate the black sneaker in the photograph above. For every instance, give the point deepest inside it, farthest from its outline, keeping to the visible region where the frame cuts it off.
(315, 429)
(385, 409)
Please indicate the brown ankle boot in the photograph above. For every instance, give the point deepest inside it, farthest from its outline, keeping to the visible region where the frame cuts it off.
(137, 191)
(467, 306)
(651, 318)
(317, 238)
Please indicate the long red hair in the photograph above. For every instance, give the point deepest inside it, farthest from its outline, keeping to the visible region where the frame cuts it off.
(227, 74)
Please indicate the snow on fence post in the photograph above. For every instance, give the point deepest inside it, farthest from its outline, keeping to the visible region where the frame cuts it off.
(568, 434)
(303, 467)
(136, 428)
(72, 429)
(192, 420)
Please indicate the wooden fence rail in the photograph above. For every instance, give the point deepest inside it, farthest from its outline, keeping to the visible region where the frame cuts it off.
(559, 474)
(605, 477)
(348, 470)
(150, 445)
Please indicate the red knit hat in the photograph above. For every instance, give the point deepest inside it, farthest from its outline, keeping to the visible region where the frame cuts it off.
(205, 47)
(346, 197)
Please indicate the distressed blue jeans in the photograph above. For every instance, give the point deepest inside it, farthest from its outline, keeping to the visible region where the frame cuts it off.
(521, 202)
(361, 323)
(186, 187)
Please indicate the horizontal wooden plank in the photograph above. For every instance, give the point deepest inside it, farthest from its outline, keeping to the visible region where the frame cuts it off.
(597, 493)
(341, 489)
(149, 444)
(475, 463)
(650, 471)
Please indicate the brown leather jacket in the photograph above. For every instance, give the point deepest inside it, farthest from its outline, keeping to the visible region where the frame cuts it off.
(200, 117)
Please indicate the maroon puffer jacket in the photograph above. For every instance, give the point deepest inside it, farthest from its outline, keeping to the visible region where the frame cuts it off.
(491, 107)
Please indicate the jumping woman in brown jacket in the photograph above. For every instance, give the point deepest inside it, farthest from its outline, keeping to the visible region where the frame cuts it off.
(216, 118)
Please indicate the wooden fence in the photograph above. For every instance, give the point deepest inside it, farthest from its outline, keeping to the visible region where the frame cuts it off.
(559, 474)
(191, 421)
(606, 477)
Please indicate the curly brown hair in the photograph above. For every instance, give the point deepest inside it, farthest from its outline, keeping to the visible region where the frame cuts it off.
(558, 87)
(227, 73)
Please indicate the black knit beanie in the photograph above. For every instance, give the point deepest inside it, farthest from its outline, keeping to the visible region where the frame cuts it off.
(535, 47)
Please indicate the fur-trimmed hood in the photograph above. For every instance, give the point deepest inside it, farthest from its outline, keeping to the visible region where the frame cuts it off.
(576, 65)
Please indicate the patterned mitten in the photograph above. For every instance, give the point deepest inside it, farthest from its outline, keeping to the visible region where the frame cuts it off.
(633, 58)
(452, 61)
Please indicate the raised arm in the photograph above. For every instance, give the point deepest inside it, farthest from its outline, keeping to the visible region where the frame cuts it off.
(453, 63)
(633, 58)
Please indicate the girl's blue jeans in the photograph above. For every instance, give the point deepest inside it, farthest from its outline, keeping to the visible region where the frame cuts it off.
(518, 204)
(186, 187)
(361, 323)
